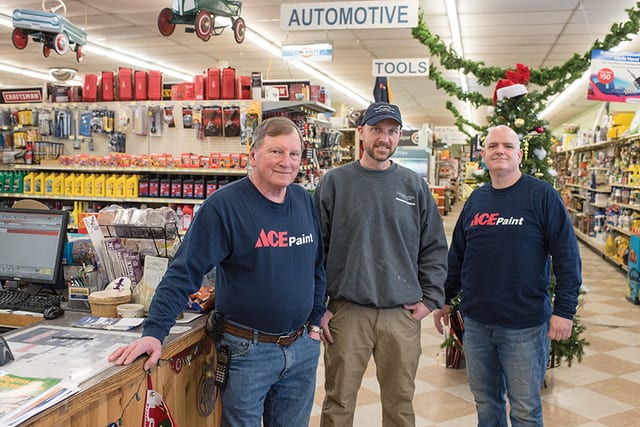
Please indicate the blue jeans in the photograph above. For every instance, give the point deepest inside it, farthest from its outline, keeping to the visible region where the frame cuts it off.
(270, 382)
(507, 360)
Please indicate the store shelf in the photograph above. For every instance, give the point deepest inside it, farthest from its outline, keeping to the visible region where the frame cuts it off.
(268, 106)
(131, 169)
(138, 200)
(598, 247)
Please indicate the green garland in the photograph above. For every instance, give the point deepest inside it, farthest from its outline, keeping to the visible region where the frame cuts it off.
(554, 79)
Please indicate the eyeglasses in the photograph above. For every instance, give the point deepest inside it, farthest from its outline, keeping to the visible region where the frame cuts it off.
(394, 131)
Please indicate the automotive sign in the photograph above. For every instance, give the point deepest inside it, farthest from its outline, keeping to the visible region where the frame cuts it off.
(348, 14)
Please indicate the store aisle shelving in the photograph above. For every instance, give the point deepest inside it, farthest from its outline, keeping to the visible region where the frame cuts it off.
(600, 391)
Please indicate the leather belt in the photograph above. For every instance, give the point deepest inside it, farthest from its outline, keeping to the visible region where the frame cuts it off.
(282, 340)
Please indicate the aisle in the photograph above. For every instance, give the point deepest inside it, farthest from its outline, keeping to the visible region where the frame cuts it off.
(602, 390)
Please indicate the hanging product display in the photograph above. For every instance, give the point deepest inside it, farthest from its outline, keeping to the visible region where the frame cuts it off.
(202, 15)
(52, 30)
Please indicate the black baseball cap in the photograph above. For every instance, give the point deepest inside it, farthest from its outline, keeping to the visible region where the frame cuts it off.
(379, 111)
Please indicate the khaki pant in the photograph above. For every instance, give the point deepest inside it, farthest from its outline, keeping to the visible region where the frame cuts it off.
(392, 336)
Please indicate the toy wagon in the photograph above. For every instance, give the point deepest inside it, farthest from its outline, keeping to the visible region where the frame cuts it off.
(202, 15)
(52, 30)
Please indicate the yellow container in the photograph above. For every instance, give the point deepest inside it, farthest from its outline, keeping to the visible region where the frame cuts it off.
(99, 185)
(69, 180)
(27, 183)
(121, 182)
(38, 183)
(58, 184)
(110, 186)
(78, 184)
(48, 183)
(89, 184)
(131, 188)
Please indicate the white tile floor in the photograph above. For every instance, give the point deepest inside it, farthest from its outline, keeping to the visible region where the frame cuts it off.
(601, 391)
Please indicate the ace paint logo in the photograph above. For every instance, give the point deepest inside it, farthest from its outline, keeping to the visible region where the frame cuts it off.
(281, 239)
(493, 219)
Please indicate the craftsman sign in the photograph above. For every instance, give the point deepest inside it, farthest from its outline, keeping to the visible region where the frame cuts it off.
(348, 14)
(16, 96)
(400, 67)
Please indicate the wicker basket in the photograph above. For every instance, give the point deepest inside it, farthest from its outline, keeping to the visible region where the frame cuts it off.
(105, 303)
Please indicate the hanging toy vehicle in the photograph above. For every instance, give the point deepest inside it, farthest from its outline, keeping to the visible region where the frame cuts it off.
(202, 15)
(52, 30)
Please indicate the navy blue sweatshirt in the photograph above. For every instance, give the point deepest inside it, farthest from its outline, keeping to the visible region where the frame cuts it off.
(269, 259)
(501, 253)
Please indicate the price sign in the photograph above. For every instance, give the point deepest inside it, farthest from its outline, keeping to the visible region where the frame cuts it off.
(605, 75)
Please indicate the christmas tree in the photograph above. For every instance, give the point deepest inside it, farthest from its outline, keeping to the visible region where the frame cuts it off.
(513, 106)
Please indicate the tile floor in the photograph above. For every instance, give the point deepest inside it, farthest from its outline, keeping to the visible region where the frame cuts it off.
(602, 390)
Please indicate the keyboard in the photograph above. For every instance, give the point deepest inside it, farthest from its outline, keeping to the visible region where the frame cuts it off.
(12, 299)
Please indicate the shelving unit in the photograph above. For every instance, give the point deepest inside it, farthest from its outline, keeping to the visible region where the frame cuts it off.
(597, 181)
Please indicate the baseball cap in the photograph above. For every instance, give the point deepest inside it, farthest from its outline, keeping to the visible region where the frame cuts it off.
(379, 111)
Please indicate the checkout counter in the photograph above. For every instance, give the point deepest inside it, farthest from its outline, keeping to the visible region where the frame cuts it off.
(117, 393)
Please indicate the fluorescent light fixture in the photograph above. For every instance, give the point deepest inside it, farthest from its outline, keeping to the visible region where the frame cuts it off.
(330, 82)
(456, 40)
(6, 22)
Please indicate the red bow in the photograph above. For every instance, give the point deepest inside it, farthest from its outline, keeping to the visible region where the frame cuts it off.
(520, 75)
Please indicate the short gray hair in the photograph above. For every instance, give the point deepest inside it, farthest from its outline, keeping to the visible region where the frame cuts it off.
(275, 126)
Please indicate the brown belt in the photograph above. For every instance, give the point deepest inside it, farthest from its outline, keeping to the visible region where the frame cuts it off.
(282, 340)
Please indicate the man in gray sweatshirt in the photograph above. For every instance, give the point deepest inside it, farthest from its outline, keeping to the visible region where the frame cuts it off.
(386, 261)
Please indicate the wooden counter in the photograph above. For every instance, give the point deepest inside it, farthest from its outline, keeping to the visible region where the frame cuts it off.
(103, 399)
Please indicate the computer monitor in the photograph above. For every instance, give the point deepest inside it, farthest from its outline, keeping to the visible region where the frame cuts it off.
(32, 244)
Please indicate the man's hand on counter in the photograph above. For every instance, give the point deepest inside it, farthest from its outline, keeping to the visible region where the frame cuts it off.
(128, 353)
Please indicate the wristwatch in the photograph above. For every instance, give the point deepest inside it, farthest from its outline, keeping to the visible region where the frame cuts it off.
(314, 328)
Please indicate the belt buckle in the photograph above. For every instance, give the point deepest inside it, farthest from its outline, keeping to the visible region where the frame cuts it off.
(284, 343)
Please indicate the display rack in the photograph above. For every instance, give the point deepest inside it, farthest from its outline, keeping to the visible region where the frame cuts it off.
(167, 232)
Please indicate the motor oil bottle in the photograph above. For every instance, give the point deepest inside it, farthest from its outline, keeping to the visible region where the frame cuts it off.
(187, 188)
(27, 183)
(38, 184)
(90, 185)
(198, 188)
(78, 184)
(58, 184)
(132, 186)
(48, 183)
(99, 185)
(69, 180)
(121, 182)
(110, 186)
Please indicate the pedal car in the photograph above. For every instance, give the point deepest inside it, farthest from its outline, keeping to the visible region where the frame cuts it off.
(202, 15)
(52, 30)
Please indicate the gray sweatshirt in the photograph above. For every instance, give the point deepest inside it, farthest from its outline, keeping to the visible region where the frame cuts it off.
(383, 235)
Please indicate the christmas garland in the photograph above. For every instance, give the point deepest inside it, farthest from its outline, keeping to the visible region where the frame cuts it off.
(553, 79)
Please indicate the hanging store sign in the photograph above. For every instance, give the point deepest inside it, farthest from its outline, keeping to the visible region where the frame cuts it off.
(350, 14)
(615, 76)
(17, 96)
(449, 135)
(405, 67)
(308, 52)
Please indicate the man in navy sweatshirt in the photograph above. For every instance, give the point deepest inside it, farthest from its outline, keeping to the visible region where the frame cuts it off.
(262, 235)
(501, 256)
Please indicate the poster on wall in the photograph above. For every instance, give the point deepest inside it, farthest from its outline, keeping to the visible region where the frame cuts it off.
(615, 76)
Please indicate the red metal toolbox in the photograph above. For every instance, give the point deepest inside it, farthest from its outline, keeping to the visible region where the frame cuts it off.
(213, 83)
(228, 83)
(106, 86)
(90, 88)
(125, 84)
(140, 89)
(154, 88)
